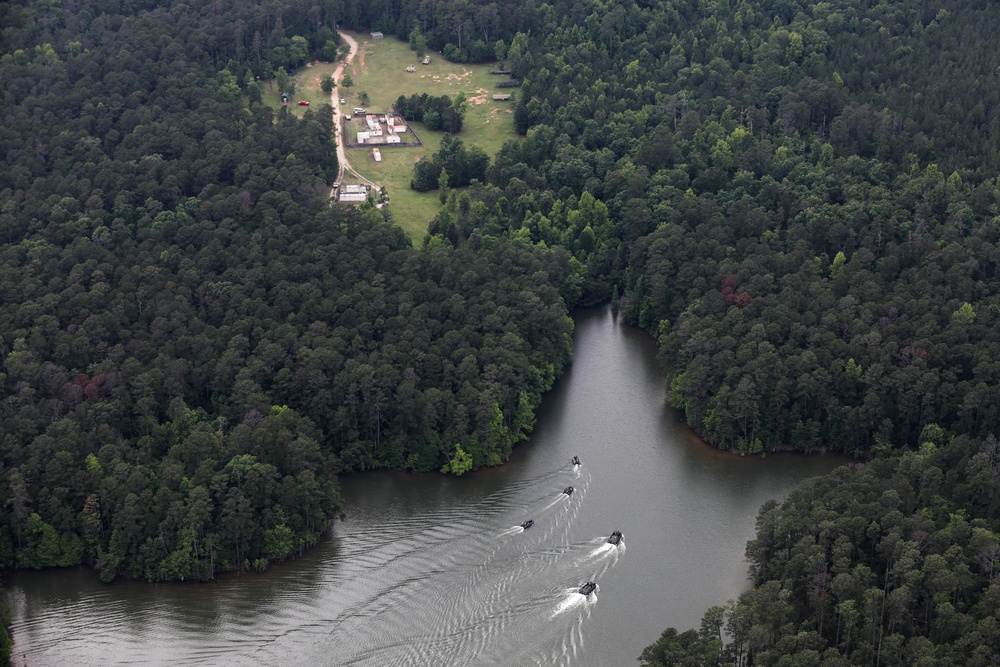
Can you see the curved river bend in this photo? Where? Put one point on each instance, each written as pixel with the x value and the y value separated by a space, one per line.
pixel 428 570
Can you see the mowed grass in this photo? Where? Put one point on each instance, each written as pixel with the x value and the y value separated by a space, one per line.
pixel 379 69
pixel 308 81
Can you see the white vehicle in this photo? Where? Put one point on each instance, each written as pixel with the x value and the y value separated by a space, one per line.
pixel 343 101
pixel 359 110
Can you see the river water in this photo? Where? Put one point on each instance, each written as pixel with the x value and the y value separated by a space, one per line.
pixel 429 570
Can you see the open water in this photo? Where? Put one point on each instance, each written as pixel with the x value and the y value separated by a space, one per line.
pixel 432 570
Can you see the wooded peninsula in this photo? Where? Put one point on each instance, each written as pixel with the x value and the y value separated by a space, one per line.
pixel 799 200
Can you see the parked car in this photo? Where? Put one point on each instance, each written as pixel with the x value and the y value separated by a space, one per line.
pixel 303 103
pixel 343 101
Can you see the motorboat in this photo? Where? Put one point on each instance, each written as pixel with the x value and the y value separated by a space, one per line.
pixel 587 588
pixel 616 537
pixel 568 490
pixel 528 524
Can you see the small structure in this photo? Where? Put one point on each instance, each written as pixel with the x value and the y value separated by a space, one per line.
pixel 426 60
pixel 377 35
pixel 284 98
pixel 377 154
pixel 393 139
pixel 352 193
pixel 502 97
pixel 363 137
pixel 411 68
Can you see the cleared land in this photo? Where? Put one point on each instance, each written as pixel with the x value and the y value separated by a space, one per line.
pixel 380 70
pixel 307 80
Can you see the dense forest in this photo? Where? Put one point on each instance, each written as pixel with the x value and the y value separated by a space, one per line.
pixel 810 234
pixel 194 342
pixel 889 563
pixel 798 199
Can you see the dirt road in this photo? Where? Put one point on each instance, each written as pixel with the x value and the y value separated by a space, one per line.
pixel 338 115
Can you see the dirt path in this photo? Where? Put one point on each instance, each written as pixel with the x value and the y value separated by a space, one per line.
pixel 338 116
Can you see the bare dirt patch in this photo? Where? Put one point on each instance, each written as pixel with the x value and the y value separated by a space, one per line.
pixel 359 66
pixel 477 100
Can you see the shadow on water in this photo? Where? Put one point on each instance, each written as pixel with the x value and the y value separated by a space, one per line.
pixel 427 569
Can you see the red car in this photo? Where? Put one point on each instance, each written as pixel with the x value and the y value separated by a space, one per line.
pixel 303 103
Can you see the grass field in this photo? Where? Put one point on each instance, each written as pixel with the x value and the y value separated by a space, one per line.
pixel 307 87
pixel 379 69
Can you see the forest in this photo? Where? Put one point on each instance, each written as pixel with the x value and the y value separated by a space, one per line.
pixel 195 343
pixel 798 200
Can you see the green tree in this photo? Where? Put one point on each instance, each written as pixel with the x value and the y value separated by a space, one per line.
pixel 443 186
pixel 281 76
pixel 459 464
pixel 417 41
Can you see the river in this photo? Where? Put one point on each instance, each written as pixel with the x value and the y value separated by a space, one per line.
pixel 429 570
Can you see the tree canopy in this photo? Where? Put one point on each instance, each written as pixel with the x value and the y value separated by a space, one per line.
pixel 194 342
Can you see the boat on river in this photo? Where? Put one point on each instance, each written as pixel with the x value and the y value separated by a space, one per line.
pixel 568 490
pixel 587 588
pixel 616 538
pixel 528 524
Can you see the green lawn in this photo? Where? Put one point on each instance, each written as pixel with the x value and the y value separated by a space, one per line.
pixel 307 87
pixel 379 69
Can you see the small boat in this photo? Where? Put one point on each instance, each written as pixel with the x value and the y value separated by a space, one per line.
pixel 528 524
pixel 616 537
pixel 587 588
pixel 576 460
pixel 568 490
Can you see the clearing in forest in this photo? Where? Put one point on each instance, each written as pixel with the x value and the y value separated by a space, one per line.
pixel 380 71
pixel 308 81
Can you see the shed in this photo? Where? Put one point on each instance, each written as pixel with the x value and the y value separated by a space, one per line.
pixel 363 137
pixel 392 139
pixel 377 154
pixel 354 196
pixel 501 97
pixel 377 35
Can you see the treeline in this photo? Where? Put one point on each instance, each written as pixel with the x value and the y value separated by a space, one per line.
pixel 194 343
pixel 473 31
pixel 437 113
pixel 262 38
pixel 461 166
pixel 890 563
pixel 818 273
